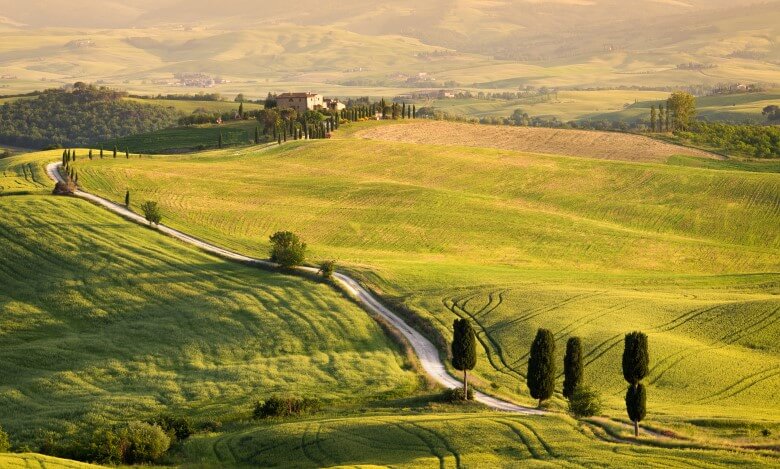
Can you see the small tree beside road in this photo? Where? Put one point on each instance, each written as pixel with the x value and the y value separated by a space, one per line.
pixel 151 212
pixel 464 350
pixel 287 249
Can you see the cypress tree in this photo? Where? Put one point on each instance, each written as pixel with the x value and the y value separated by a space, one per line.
pixel 90 154
pixel 541 366
pixel 127 153
pixel 636 359
pixel 114 151
pixel 636 364
pixel 101 151
pixel 403 111
pixel 464 350
pixel 127 198
pixel 668 127
pixel 572 367
pixel 219 141
pixel 73 155
pixel 636 405
pixel 661 117
pixel 414 111
pixel 241 110
pixel 653 118
pixel 257 135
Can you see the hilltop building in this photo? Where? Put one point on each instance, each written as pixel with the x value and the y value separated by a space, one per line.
pixel 301 102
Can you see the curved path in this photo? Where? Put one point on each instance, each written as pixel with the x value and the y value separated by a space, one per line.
pixel 425 350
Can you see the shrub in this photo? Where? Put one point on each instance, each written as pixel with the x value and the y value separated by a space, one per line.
pixel 179 428
pixel 151 212
pixel 5 444
pixel 286 406
pixel 585 402
pixel 65 188
pixel 287 249
pixel 210 425
pixel 326 269
pixel 456 395
pixel 144 442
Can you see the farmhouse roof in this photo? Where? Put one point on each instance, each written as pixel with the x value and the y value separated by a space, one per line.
pixel 297 95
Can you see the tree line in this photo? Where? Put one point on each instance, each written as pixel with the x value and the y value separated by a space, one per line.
pixel 78 117
pixel 542 370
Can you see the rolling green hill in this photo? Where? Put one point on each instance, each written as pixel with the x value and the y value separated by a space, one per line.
pixel 126 324
pixel 518 241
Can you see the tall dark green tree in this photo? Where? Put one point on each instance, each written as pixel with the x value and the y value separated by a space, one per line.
pixel 414 111
pixel 541 366
pixel 241 110
pixel 219 142
pixel 464 350
pixel 127 153
pixel 90 154
pixel 572 367
pixel 127 198
pixel 636 405
pixel 636 364
pixel 653 118
pixel 101 152
pixel 73 155
pixel 257 135
pixel 661 116
pixel 636 359
pixel 114 151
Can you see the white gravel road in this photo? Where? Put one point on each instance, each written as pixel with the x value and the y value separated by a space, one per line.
pixel 425 350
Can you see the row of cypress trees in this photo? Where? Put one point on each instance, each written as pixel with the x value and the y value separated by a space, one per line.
pixel 542 366
pixel 369 111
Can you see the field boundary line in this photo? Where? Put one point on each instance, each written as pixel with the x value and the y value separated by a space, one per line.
pixel 426 352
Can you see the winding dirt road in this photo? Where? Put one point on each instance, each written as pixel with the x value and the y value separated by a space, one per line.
pixel 425 350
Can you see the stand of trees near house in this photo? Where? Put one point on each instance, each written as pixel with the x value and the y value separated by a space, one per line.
pixel 78 117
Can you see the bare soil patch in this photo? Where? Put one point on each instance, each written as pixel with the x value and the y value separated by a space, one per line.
pixel 587 143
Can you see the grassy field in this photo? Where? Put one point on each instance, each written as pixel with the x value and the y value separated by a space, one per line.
pixel 29 460
pixel 127 323
pixel 188 107
pixel 443 440
pixel 196 137
pixel 603 145
pixel 518 241
pixel 742 107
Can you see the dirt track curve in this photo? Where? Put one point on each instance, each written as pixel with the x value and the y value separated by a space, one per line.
pixel 423 348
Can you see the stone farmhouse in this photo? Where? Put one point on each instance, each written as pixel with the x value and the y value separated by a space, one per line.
pixel 303 102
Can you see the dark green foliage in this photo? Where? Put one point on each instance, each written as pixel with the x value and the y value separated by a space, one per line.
pixel 219 142
pixel 758 141
pixel 326 269
pixel 287 249
pixel 241 110
pixel 572 367
pixel 179 428
pixel 127 153
pixel 682 106
pixel 114 151
pixel 127 199
pixel 585 402
pixel 151 212
pixel 653 118
pixel 79 117
pixel 5 443
pixel 771 112
pixel 286 407
pixel 636 358
pixel 636 404
pixel 541 366
pixel 257 135
pixel 90 154
pixel 135 443
pixel 101 152
pixel 457 395
pixel 464 349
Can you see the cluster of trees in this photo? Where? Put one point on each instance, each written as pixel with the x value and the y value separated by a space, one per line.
pixel 678 114
pixel 369 110
pixel 284 124
pixel 772 113
pixel 78 117
pixel 542 370
pixel 756 141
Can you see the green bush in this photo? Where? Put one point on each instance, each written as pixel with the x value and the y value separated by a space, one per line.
pixel 456 395
pixel 178 428
pixel 585 402
pixel 287 249
pixel 286 407
pixel 5 444
pixel 144 442
pixel 326 269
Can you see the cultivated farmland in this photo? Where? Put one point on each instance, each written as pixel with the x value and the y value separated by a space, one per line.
pixel 127 324
pixel 517 241
pixel 594 144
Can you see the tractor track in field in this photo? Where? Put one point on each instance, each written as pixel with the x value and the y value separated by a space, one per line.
pixel 426 353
